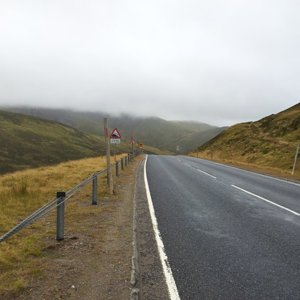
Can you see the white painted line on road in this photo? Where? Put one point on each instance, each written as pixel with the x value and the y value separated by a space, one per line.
pixel 264 199
pixel 173 292
pixel 252 172
pixel 206 174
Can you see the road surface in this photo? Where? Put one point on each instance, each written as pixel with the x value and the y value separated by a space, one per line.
pixel 228 233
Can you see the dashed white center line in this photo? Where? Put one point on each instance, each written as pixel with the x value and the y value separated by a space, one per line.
pixel 206 173
pixel 251 172
pixel 266 200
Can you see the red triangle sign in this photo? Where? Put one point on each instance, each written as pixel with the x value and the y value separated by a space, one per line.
pixel 115 134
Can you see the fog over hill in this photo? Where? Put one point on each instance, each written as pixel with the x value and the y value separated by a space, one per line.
pixel 221 62
pixel 174 136
pixel 28 142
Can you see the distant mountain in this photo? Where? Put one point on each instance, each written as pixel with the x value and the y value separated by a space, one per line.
pixel 31 142
pixel 28 142
pixel 180 137
pixel 269 142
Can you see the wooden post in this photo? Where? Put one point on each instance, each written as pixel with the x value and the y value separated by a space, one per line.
pixel 295 161
pixel 110 187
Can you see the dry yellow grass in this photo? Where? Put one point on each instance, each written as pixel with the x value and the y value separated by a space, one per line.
pixel 21 193
pixel 267 145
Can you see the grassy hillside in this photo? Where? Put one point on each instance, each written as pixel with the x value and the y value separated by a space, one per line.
pixel 28 142
pixel 31 142
pixel 269 143
pixel 155 132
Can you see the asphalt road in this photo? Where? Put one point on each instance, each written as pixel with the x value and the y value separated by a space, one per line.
pixel 228 233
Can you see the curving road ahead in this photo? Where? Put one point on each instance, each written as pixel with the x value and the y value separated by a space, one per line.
pixel 228 233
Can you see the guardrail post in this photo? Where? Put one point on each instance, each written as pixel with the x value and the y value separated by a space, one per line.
pixel 122 163
pixel 60 219
pixel 94 190
pixel 117 168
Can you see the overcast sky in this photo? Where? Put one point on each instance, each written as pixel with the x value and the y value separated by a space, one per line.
pixel 216 61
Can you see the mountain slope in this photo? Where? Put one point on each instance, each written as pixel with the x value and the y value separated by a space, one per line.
pixel 155 132
pixel 269 142
pixel 32 142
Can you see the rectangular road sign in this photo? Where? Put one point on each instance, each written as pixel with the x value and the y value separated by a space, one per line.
pixel 115 141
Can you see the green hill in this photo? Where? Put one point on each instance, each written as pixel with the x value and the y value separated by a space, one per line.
pixel 28 142
pixel 31 142
pixel 269 143
pixel 181 137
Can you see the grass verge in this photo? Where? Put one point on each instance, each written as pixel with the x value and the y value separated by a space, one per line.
pixel 21 193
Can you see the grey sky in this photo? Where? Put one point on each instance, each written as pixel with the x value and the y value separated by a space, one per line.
pixel 217 61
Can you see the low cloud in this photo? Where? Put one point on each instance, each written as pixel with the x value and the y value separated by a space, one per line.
pixel 220 62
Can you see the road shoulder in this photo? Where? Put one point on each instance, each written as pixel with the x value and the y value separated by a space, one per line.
pixel 150 280
pixel 94 259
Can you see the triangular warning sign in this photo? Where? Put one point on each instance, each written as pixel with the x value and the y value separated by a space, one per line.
pixel 115 134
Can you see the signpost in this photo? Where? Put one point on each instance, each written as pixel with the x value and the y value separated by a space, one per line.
pixel 132 143
pixel 115 137
pixel 108 167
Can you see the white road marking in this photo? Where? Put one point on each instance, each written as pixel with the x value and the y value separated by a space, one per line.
pixel 206 173
pixel 252 172
pixel 173 292
pixel 264 199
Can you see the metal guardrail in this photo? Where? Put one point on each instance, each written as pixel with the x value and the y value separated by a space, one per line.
pixel 58 202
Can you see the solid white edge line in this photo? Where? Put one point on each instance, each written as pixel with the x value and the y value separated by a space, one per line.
pixel 206 174
pixel 264 199
pixel 172 288
pixel 252 172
